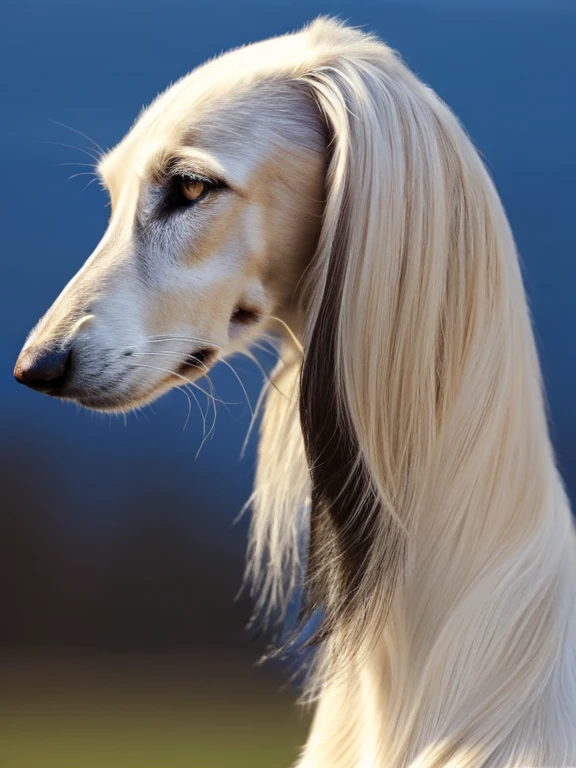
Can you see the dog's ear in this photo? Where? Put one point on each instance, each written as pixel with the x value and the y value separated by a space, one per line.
pixel 356 546
pixel 373 384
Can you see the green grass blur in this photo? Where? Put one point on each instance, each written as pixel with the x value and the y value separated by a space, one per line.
pixel 106 717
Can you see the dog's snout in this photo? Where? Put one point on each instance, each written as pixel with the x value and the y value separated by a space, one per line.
pixel 44 370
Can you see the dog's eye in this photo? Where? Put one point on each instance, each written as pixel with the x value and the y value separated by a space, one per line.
pixel 185 191
pixel 192 189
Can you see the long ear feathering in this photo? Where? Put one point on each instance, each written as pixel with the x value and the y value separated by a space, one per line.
pixel 280 499
pixel 404 303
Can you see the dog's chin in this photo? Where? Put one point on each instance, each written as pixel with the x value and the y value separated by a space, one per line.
pixel 111 404
pixel 107 402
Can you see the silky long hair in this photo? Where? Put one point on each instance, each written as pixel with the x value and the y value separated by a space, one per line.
pixel 406 478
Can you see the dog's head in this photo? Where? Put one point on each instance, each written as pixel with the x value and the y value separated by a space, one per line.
pixel 216 202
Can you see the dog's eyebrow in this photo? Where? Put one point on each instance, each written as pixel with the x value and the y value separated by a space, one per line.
pixel 192 162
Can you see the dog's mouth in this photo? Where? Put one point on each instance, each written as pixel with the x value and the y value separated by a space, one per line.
pixel 109 399
pixel 199 360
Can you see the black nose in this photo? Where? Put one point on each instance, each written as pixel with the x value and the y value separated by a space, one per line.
pixel 43 369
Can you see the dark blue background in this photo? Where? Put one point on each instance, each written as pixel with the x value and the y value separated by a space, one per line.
pixel 107 490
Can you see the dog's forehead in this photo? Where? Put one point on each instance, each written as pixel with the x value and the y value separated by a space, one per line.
pixel 224 140
pixel 231 107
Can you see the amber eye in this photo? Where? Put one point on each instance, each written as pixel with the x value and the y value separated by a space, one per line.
pixel 184 191
pixel 192 189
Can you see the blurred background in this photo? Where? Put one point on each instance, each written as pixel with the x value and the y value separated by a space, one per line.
pixel 121 641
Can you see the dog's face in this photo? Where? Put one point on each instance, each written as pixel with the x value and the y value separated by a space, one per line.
pixel 216 200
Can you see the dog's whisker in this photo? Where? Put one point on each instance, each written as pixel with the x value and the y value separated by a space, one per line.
pixel 185 391
pixel 260 367
pixel 194 340
pixel 211 397
pixel 172 353
pixel 72 146
pixel 228 365
pixel 181 388
pixel 215 400
pixel 163 370
pixel 212 426
pixel 259 404
pixel 188 389
pixel 177 355
pixel 211 400
pixel 184 388
pixel 202 365
pixel 81 173
pixel 153 339
pixel 95 144
pixel 86 165
pixel 289 331
pixel 88 185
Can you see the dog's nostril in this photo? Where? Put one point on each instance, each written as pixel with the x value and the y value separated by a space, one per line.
pixel 43 370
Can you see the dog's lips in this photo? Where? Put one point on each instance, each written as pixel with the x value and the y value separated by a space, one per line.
pixel 100 402
pixel 116 403
pixel 200 359
pixel 197 362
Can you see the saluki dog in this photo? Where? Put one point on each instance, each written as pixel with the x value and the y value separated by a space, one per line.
pixel 311 185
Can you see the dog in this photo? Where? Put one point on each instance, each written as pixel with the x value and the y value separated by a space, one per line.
pixel 406 484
